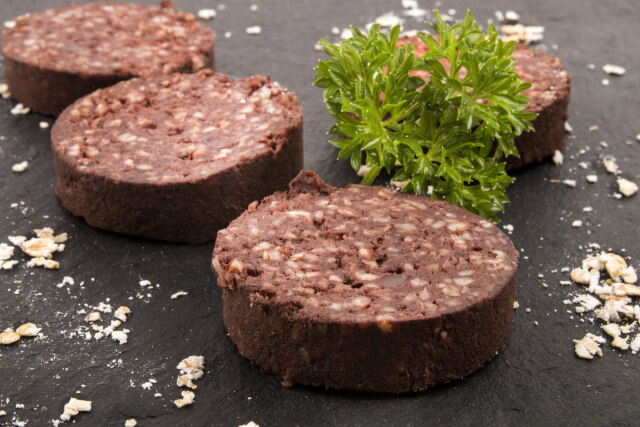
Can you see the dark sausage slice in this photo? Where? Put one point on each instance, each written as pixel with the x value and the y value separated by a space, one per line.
pixel 176 157
pixel 53 57
pixel 364 288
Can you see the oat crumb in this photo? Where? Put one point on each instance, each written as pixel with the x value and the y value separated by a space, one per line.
pixel 131 422
pixel 254 30
pixel 206 14
pixel 73 407
pixel 627 188
pixel 615 70
pixel 188 397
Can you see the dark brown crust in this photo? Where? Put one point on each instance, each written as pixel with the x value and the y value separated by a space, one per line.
pixel 49 90
pixel 320 344
pixel 548 136
pixel 187 212
pixel 412 357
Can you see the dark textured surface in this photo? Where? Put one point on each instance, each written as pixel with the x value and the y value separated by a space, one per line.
pixel 536 379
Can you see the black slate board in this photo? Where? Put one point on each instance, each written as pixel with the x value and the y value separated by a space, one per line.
pixel 536 379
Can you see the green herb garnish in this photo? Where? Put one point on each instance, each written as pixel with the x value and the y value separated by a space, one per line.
pixel 452 133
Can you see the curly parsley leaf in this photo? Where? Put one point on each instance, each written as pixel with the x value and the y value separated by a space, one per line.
pixel 448 136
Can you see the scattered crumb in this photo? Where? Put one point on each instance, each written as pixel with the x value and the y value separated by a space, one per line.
pixel 522 33
pixel 558 157
pixel 317 47
pixel 610 165
pixel 20 167
pixel 120 336
pixel 206 14
pixel 249 424
pixel 28 330
pixel 577 223
pixel 253 8
pixel 73 407
pixel 592 179
pixel 605 82
pixel 131 422
pixel 227 34
pixel 121 313
pixel 567 127
pixel 188 397
pixel 516 304
pixel 92 317
pixel 145 283
pixel 66 280
pixel 4 90
pixel 587 209
pixel 44 125
pixel 179 294
pixel 615 70
pixel 253 30
pixel 589 346
pixel 388 20
pixel 20 109
pixel 627 188
pixel 593 128
pixel 146 385
pixel 512 16
pixel 569 182
pixel 9 337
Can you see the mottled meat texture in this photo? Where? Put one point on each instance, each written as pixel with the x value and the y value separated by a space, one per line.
pixel 176 128
pixel 110 38
pixel 363 252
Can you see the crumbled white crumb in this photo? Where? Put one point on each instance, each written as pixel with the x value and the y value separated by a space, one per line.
pixel 188 397
pixel 131 422
pixel 522 33
pixel 120 336
pixel 44 125
pixel 592 179
pixel 605 82
pixel 627 188
pixel 335 30
pixel 6 251
pixel 389 20
pixel 249 424
pixel 20 167
pixel 43 262
pixel 577 223
pixel 635 344
pixel 610 165
pixel 192 367
pixel 206 14
pixel 569 182
pixel 615 70
pixel 145 283
pixel 253 30
pixel 568 127
pixel 10 24
pixel 589 346
pixel 104 308
pixel 604 144
pixel 317 47
pixel 4 91
pixel 587 209
pixel 179 294
pixel 146 385
pixel 587 302
pixel 516 304
pixel 415 12
pixel 363 170
pixel 512 16
pixel 28 330
pixel 66 280
pixel 20 109
pixel 613 330
pixel 508 228
pixel 157 395
pixel 3 413
pixel 346 33
pixel 593 128
pixel 409 4
pixel 227 34
pixel 558 157
pixel 185 381
pixel 121 313
pixel 73 407
pixel 253 8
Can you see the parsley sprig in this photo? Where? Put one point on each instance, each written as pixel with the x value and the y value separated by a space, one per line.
pixel 448 136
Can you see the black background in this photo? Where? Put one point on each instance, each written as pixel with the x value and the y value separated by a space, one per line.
pixel 536 379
